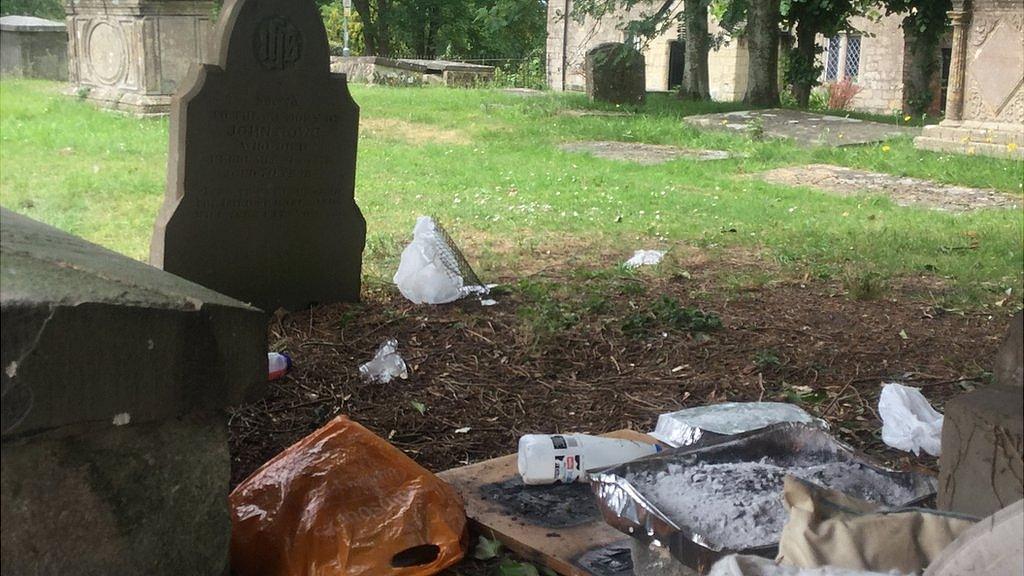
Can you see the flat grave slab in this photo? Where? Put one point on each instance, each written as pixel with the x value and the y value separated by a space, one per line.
pixel 572 540
pixel 585 113
pixel 642 153
pixel 804 128
pixel 904 191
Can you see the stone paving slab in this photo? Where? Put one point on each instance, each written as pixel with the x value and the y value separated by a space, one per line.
pixel 804 128
pixel 904 191
pixel 641 153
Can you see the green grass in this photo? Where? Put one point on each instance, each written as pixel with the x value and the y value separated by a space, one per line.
pixel 487 164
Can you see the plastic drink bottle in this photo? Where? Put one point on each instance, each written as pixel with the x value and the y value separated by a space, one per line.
pixel 277 365
pixel 550 458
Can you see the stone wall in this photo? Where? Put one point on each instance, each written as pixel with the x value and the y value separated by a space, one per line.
pixel 131 55
pixel 569 41
pixel 881 65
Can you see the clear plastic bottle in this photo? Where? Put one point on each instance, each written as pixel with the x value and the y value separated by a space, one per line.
pixel 550 458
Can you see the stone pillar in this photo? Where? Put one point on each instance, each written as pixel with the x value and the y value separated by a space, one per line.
pixel 132 54
pixel 955 90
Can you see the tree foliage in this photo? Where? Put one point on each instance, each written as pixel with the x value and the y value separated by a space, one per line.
pixel 447 28
pixel 49 9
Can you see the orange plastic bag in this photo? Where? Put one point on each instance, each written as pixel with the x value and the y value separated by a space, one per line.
pixel 342 501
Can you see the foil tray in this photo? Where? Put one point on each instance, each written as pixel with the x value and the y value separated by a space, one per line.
pixel 624 507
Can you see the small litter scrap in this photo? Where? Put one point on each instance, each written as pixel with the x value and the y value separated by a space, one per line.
pixel 386 365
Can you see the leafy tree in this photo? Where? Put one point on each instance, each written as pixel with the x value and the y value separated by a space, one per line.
pixel 808 19
pixel 49 9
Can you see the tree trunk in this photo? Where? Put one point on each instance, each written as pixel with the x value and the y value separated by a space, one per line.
pixel 369 28
pixel 695 64
pixel 806 52
pixel 762 34
pixel 922 65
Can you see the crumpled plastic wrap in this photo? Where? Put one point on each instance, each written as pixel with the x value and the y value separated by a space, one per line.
pixel 686 427
pixel 387 364
pixel 343 501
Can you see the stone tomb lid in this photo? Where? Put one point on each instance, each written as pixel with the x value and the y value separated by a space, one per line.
pixel 260 200
pixel 29 24
pixel 89 335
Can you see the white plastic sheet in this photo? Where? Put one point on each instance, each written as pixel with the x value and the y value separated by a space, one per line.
pixel 425 274
pixel 644 258
pixel 909 422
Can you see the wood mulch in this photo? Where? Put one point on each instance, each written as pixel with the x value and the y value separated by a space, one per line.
pixel 486 375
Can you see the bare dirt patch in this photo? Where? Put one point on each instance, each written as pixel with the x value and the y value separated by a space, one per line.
pixel 641 153
pixel 412 132
pixel 904 191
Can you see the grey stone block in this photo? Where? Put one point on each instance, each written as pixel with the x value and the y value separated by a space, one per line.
pixel 128 500
pixel 981 469
pixel 115 376
pixel 89 334
pixel 1009 368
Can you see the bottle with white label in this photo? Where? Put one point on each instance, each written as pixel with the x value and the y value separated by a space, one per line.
pixel 550 458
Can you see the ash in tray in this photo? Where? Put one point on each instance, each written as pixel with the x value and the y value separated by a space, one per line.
pixel 738 505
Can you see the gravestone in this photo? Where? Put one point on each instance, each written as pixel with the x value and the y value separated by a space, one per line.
pixel 33 48
pixel 261 171
pixel 615 74
pixel 115 378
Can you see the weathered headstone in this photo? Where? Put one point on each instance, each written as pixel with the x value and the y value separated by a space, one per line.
pixel 261 171
pixel 615 73
pixel 115 376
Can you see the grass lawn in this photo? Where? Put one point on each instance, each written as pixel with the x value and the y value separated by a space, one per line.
pixel 487 164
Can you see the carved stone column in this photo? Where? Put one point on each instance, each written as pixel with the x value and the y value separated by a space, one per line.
pixel 955 90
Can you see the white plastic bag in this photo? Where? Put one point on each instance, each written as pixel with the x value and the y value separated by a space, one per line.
pixel 909 422
pixel 387 364
pixel 427 273
pixel 644 258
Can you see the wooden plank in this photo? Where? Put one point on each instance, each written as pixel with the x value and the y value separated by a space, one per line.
pixel 557 548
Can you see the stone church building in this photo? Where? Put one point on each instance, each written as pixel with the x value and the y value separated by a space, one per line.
pixel 873 57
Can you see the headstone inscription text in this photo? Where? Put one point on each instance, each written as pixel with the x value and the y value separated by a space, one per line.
pixel 261 171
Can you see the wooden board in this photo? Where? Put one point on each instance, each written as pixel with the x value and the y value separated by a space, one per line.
pixel 557 548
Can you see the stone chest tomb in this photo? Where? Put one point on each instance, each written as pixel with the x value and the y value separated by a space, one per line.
pixel 261 171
